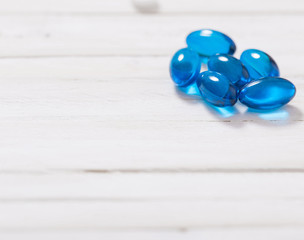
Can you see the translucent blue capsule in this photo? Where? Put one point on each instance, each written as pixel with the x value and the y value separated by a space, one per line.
pixel 208 42
pixel 184 67
pixel 267 93
pixel 216 89
pixel 259 64
pixel 231 67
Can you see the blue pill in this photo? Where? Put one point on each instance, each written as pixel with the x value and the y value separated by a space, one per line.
pixel 184 67
pixel 267 93
pixel 208 42
pixel 216 89
pixel 259 64
pixel 231 67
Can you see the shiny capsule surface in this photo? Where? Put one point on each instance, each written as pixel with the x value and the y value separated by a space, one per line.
pixel 231 67
pixel 207 42
pixel 259 64
pixel 184 67
pixel 267 93
pixel 216 89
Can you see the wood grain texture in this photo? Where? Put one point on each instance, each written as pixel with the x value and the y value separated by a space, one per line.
pixel 216 234
pixel 97 143
pixel 80 110
pixel 132 187
pixel 136 6
pixel 143 35
pixel 138 202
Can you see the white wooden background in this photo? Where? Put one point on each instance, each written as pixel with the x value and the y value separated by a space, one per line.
pixel 97 143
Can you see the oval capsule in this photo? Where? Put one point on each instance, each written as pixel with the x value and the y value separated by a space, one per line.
pixel 267 93
pixel 216 89
pixel 207 42
pixel 259 64
pixel 231 67
pixel 185 66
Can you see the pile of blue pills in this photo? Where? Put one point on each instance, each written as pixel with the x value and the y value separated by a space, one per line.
pixel 253 79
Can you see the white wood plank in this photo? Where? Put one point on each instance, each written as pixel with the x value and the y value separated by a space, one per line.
pixel 142 35
pixel 208 234
pixel 234 6
pixel 41 145
pixel 89 88
pixel 158 6
pixel 66 6
pixel 112 69
pixel 64 118
pixel 50 216
pixel 77 114
pixel 150 201
pixel 64 186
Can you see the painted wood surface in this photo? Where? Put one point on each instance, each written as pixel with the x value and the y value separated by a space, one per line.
pixel 92 201
pixel 97 143
pixel 150 6
pixel 143 35
pixel 80 110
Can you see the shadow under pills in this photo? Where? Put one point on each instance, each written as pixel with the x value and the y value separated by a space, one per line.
pixel 283 116
pixel 188 92
pixel 232 115
pixel 192 92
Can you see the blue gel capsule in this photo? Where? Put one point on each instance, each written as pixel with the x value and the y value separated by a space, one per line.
pixel 267 93
pixel 259 64
pixel 231 67
pixel 208 42
pixel 184 67
pixel 216 89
